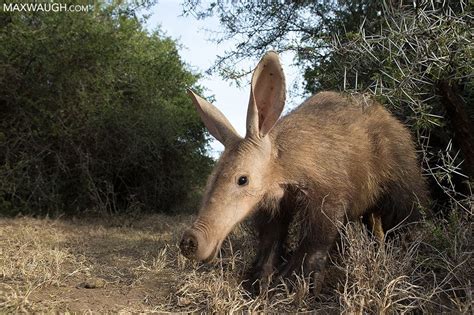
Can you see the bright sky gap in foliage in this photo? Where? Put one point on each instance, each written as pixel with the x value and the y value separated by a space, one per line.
pixel 199 52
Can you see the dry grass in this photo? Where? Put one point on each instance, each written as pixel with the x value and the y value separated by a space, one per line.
pixel 134 265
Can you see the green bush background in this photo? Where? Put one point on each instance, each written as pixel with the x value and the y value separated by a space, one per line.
pixel 94 116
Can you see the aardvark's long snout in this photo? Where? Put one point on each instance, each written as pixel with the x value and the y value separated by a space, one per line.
pixel 189 244
pixel 193 245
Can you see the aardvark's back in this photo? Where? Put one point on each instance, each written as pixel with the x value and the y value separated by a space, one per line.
pixel 351 148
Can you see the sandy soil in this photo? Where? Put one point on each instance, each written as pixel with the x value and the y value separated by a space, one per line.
pixel 93 265
pixel 132 264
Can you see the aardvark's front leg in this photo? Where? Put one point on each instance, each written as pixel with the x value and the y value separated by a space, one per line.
pixel 272 231
pixel 318 236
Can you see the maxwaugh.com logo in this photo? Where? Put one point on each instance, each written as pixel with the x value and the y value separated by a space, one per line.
pixel 45 6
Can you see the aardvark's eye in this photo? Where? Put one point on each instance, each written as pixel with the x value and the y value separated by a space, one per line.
pixel 243 180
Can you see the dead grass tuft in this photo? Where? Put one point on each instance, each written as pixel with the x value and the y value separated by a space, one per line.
pixel 43 263
pixel 29 259
pixel 377 276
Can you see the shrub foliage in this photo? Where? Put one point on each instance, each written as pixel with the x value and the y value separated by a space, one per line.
pixel 419 64
pixel 94 115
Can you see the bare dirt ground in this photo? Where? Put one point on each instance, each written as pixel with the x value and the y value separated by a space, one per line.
pixel 87 266
pixel 134 265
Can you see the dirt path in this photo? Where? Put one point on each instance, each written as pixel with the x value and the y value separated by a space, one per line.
pixel 133 265
pixel 57 265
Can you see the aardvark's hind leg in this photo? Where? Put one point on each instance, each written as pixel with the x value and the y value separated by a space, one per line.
pixel 375 221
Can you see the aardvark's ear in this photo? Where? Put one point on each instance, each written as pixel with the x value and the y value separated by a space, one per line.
pixel 214 120
pixel 267 96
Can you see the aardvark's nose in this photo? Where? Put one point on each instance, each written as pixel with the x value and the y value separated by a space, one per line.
pixel 189 244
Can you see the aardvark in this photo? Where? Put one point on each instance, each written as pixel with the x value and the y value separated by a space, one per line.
pixel 336 157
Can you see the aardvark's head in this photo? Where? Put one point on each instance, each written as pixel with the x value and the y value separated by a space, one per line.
pixel 243 174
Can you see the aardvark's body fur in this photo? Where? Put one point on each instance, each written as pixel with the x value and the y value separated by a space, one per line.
pixel 335 157
pixel 348 152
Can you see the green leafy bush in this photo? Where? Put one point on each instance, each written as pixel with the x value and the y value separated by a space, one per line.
pixel 94 116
